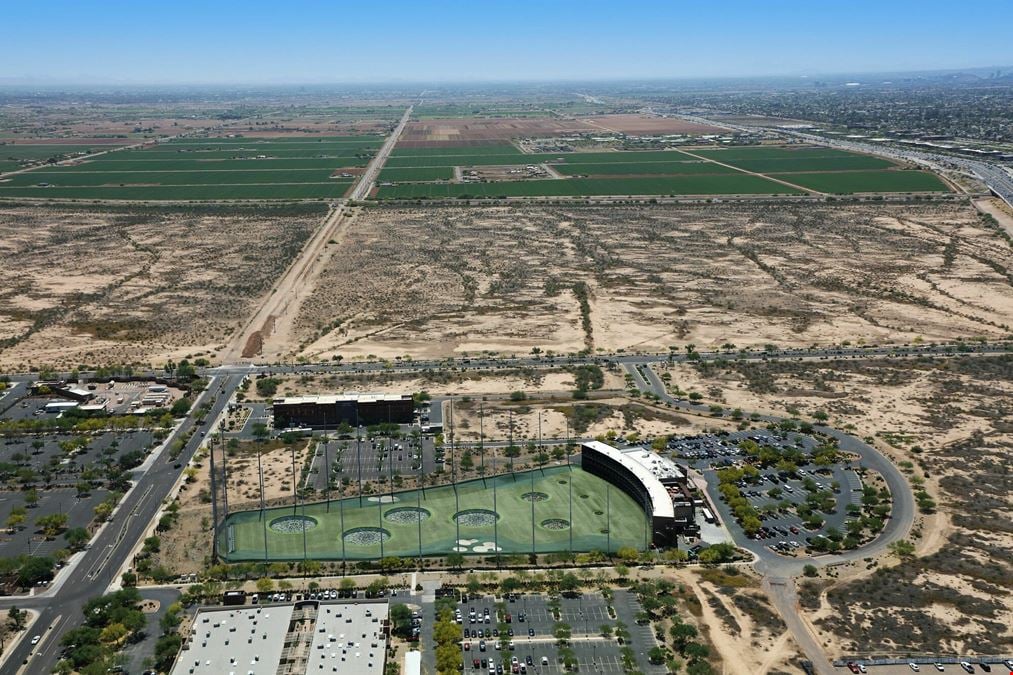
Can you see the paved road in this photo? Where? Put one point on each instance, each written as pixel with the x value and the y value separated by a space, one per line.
pixel 770 563
pixel 278 309
pixel 494 363
pixel 368 178
pixel 60 607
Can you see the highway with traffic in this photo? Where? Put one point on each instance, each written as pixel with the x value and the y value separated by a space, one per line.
pixel 998 178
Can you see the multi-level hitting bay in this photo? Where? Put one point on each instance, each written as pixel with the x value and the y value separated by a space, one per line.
pixel 463 518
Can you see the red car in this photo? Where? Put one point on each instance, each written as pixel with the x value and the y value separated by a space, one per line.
pixel 853 667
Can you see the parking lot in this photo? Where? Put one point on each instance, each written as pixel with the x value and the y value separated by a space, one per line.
pixel 783 530
pixel 533 624
pixel 115 398
pixel 59 473
pixel 28 539
pixel 58 459
pixel 379 459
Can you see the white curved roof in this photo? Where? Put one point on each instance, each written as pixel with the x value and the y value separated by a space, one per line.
pixel 661 502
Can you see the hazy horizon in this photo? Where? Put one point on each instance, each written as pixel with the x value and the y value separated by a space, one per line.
pixel 316 43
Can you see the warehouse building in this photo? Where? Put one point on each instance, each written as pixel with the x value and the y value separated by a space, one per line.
pixel 330 412
pixel 294 639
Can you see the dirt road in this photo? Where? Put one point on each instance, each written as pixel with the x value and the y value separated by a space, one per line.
pixel 781 592
pixel 266 333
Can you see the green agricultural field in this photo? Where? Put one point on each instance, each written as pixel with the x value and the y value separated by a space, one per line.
pixel 274 141
pixel 215 177
pixel 845 182
pixel 137 163
pixel 422 174
pixel 206 169
pixel 753 152
pixel 330 190
pixel 247 153
pixel 458 160
pixel 14 155
pixel 806 164
pixel 724 184
pixel 640 168
pixel 598 517
pixel 617 156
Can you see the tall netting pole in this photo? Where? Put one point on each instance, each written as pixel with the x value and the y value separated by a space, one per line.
pixel 214 499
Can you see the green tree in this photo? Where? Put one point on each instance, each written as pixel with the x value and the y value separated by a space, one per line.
pixel 53 524
pixel 16 618
pixel 401 620
pixel 77 538
pixel 902 549
pixel 681 634
pixel 35 569
pixel 180 408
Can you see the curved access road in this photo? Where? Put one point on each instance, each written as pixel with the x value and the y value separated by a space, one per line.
pixel 779 571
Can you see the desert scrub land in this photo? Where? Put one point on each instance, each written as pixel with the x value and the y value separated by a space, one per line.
pixel 126 285
pixel 439 382
pixel 446 281
pixel 946 422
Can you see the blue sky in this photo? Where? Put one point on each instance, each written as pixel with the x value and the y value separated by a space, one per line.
pixel 312 41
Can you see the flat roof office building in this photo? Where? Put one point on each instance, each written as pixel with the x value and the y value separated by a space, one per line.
pixel 330 412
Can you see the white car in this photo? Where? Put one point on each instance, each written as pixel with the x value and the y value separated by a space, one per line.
pixel 35 640
pixel 914 667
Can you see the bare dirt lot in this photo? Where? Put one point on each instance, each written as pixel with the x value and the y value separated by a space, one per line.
pixel 946 423
pixel 490 129
pixel 131 285
pixel 443 281
pixel 442 382
pixel 434 131
pixel 650 124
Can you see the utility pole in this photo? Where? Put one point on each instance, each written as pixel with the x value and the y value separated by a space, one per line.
pixel 295 484
pixel 225 474
pixel 418 515
pixel 260 469
pixel 569 485
pixel 327 474
pixel 495 521
pixel 481 437
pixel 214 500
pixel 341 508
pixel 453 478
pixel 358 451
pixel 567 445
pixel 510 448
pixel 608 520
